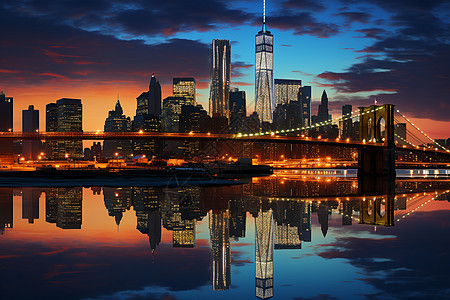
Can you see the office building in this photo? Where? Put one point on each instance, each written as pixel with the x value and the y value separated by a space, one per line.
pixel 6 124
pixel 31 149
pixel 286 90
pixel 304 97
pixel 185 87
pixel 147 118
pixel 191 118
pixel 220 78
pixel 264 98
pixel 238 103
pixel 322 114
pixel 6 112
pixel 150 102
pixel 64 116
pixel 117 122
pixel 170 116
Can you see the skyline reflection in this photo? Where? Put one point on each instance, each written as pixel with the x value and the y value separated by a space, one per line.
pixel 190 218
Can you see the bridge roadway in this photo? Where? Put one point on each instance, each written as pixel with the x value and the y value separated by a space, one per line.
pixel 268 138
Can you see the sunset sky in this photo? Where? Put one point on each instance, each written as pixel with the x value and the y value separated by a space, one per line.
pixel 395 51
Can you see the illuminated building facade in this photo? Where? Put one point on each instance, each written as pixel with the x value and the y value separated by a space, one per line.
pixel 64 116
pixel 264 98
pixel 305 99
pixel 220 78
pixel 287 90
pixel 170 116
pixel 264 254
pixel 185 87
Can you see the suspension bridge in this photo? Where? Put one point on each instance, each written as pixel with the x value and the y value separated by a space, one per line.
pixel 377 144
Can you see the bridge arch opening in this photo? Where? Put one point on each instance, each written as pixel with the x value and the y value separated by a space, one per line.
pixel 382 211
pixel 369 129
pixel 381 130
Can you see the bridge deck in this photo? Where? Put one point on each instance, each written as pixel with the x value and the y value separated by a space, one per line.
pixel 98 135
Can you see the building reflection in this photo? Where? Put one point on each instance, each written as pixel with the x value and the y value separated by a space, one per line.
pixel 219 228
pixel 283 216
pixel 6 209
pixel 30 203
pixel 63 207
pixel 264 234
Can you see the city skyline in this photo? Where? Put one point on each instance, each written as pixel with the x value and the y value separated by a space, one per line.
pixel 318 55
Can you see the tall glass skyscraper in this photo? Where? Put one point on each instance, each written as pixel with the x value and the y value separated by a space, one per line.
pixel 220 78
pixel 264 99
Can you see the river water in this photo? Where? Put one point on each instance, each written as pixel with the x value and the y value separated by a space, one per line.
pixel 285 236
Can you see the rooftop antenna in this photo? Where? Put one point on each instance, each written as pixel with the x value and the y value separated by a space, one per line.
pixel 264 11
pixel 264 15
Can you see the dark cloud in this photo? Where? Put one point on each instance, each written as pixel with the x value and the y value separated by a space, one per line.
pixel 44 52
pixel 98 269
pixel 373 33
pixel 409 62
pixel 414 265
pixel 302 23
pixel 355 16
pixel 239 68
pixel 135 17
pixel 309 5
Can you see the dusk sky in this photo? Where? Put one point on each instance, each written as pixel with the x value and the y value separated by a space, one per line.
pixel 395 51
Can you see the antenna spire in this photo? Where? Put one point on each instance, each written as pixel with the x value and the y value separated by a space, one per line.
pixel 264 12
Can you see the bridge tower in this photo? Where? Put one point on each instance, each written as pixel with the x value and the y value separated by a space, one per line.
pixel 377 211
pixel 376 125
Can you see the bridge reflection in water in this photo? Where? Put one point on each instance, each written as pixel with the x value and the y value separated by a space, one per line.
pixel 282 207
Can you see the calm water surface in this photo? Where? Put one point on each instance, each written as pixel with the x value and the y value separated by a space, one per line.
pixel 285 236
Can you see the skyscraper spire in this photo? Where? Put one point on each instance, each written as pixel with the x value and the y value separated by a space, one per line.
pixel 264 16
pixel 264 12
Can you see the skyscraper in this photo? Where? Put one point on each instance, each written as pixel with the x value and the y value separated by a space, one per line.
pixel 64 116
pixel 322 114
pixel 117 122
pixel 264 99
pixel 6 123
pixel 220 78
pixel 185 87
pixel 237 102
pixel 304 97
pixel 147 118
pixel 6 112
pixel 30 123
pixel 150 102
pixel 170 116
pixel 286 90
pixel 70 120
